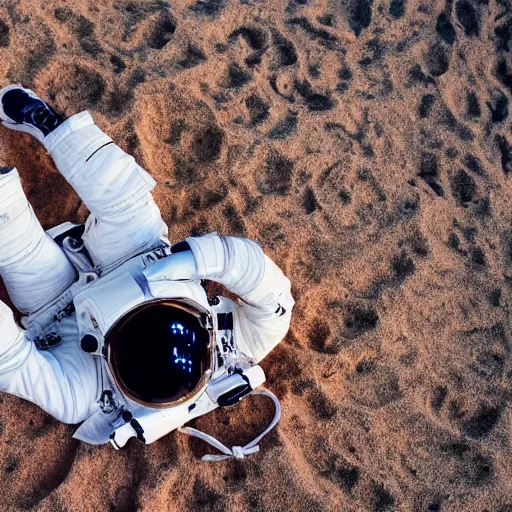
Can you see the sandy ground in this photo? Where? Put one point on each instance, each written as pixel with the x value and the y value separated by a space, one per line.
pixel 366 145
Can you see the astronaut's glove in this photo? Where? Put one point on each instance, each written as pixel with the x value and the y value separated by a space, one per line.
pixel 180 266
pixel 209 255
pixel 193 259
pixel 237 263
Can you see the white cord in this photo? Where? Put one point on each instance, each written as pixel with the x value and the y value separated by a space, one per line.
pixel 238 452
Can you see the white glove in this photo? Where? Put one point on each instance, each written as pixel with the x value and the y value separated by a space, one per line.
pixel 209 254
pixel 237 263
pixel 175 267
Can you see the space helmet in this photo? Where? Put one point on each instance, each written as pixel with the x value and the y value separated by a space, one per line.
pixel 161 353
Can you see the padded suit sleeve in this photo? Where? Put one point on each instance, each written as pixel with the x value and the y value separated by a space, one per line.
pixel 266 302
pixel 62 381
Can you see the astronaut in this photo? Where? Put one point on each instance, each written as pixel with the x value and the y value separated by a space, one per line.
pixel 118 332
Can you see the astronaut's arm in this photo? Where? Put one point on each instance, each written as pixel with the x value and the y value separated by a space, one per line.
pixel 61 381
pixel 13 345
pixel 265 295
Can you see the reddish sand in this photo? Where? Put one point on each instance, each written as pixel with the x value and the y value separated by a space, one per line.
pixel 366 146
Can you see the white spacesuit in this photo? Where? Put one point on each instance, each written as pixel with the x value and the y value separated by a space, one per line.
pixel 81 289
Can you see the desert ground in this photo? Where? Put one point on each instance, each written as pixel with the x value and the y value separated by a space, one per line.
pixel 366 145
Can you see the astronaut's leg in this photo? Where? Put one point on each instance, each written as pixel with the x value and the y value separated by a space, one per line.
pixel 124 217
pixel 32 266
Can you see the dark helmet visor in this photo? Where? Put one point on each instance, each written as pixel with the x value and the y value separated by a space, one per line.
pixel 159 352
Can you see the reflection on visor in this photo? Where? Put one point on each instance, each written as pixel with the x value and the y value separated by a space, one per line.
pixel 185 357
pixel 159 353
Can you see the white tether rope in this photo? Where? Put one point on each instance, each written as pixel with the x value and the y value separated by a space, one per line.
pixel 238 452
